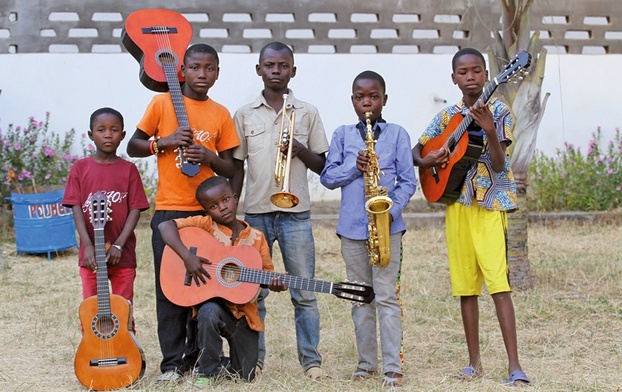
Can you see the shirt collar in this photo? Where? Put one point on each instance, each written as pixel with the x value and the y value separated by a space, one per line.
pixel 291 99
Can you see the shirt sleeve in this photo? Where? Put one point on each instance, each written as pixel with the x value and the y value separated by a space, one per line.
pixel 405 180
pixel 241 151
pixel 228 136
pixel 317 136
pixel 202 222
pixel 339 170
pixel 138 198
pixel 71 197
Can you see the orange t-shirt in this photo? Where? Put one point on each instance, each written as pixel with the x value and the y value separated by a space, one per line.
pixel 248 236
pixel 212 126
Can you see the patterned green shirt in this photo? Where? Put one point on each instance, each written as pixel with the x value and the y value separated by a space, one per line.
pixel 491 190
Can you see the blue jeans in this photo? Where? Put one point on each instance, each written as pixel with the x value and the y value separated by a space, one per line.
pixel 295 237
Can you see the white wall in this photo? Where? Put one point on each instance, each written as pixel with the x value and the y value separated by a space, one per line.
pixel 71 86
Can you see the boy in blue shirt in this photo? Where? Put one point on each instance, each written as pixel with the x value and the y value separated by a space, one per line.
pixel 346 164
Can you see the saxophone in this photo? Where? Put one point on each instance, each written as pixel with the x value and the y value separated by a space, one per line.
pixel 377 206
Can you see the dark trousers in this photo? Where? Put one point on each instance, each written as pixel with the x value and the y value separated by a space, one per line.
pixel 176 328
pixel 216 322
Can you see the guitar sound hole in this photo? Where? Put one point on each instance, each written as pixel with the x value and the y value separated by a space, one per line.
pixel 105 326
pixel 230 273
pixel 166 57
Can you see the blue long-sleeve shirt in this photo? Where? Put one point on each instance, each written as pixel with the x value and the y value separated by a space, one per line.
pixel 395 160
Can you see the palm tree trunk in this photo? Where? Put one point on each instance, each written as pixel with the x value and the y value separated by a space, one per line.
pixel 518 254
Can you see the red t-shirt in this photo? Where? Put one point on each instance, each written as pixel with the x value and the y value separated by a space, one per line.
pixel 121 182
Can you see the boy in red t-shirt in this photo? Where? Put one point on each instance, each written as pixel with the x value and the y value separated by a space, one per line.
pixel 120 181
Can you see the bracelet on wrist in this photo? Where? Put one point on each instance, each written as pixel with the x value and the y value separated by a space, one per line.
pixel 151 147
pixel 118 247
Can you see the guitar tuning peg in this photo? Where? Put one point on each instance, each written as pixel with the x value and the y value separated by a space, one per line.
pixel 108 218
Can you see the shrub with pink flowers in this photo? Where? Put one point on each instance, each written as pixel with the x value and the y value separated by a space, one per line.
pixel 35 159
pixel 574 181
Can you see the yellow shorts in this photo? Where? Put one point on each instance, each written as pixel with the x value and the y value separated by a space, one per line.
pixel 476 249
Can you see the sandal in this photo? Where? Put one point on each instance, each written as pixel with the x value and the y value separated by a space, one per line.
pixel 469 373
pixel 392 380
pixel 363 374
pixel 516 379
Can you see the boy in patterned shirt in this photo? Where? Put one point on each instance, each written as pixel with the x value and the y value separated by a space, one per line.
pixel 476 223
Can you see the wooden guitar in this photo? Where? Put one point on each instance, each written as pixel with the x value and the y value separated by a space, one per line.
pixel 108 356
pixel 236 274
pixel 158 39
pixel 464 143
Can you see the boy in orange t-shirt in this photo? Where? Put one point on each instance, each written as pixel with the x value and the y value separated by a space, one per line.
pixel 208 142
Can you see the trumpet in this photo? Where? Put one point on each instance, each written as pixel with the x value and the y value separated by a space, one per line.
pixel 284 198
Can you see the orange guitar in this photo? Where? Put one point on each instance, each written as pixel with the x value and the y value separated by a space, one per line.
pixel 236 274
pixel 444 184
pixel 154 36
pixel 158 39
pixel 108 356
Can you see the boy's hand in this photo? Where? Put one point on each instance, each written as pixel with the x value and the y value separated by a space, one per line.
pixel 435 158
pixel 194 266
pixel 362 161
pixel 199 154
pixel 89 257
pixel 276 284
pixel 296 148
pixel 182 137
pixel 483 117
pixel 113 255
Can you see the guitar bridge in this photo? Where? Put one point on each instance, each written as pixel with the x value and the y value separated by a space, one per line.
pixel 107 362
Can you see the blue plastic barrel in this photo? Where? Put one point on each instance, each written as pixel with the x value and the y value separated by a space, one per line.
pixel 42 224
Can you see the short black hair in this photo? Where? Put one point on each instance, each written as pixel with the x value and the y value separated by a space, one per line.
pixel 105 110
pixel 465 51
pixel 370 75
pixel 210 183
pixel 201 48
pixel 276 46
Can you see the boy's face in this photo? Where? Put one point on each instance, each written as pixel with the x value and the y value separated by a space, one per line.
pixel 368 96
pixel 276 68
pixel 107 133
pixel 201 72
pixel 220 203
pixel 470 75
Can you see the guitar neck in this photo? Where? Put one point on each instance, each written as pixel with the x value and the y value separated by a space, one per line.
pixel 103 292
pixel 251 275
pixel 466 122
pixel 178 100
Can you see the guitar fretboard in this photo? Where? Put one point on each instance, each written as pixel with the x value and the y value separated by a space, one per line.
pixel 293 282
pixel 467 120
pixel 103 291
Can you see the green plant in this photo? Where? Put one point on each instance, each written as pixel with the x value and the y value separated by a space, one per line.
pixel 572 180
pixel 34 158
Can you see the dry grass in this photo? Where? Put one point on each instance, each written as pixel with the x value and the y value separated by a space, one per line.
pixel 569 326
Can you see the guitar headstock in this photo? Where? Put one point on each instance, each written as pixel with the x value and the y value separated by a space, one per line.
pixel 353 291
pixel 516 66
pixel 100 212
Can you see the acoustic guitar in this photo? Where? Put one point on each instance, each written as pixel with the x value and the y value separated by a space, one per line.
pixel 463 141
pixel 158 40
pixel 108 356
pixel 236 274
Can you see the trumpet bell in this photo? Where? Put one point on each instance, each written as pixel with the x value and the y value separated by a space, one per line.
pixel 284 200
